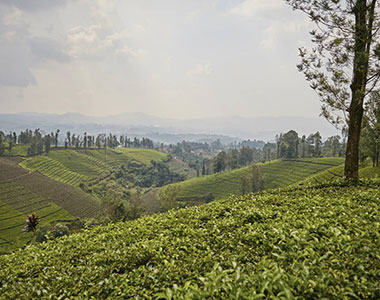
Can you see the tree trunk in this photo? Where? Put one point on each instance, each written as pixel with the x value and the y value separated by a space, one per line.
pixel 363 36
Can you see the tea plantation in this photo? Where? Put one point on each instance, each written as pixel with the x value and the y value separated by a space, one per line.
pixel 309 242
pixel 276 174
pixel 23 193
pixel 74 166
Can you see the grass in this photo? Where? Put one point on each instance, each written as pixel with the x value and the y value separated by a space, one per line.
pixel 17 150
pixel 310 242
pixel 276 174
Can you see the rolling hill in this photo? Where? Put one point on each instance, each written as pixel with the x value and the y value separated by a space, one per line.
pixel 48 185
pixel 75 166
pixel 276 174
pixel 309 242
pixel 23 192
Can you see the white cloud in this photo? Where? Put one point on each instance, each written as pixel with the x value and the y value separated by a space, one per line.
pixel 96 41
pixel 129 52
pixel 15 18
pixel 249 8
pixel 277 31
pixel 83 34
pixel 201 69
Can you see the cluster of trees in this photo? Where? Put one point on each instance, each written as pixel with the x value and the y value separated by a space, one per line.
pixel 105 141
pixel 40 143
pixel 233 159
pixel 35 139
pixel 132 175
pixel 290 145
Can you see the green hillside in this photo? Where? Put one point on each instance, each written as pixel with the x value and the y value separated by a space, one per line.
pixel 75 166
pixel 23 193
pixel 366 171
pixel 17 150
pixel 144 156
pixel 309 242
pixel 276 174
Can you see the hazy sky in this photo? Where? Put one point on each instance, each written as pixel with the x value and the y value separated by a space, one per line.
pixel 170 58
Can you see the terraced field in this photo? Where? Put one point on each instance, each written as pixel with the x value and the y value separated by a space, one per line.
pixel 276 174
pixel 23 192
pixel 144 156
pixel 75 166
pixel 366 171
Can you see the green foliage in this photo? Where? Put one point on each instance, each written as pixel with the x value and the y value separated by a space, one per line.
pixel 135 207
pixel 168 196
pixel 312 242
pixel 112 208
pixel 252 181
pixel 51 232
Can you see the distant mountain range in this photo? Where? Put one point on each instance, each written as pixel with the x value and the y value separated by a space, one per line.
pixel 227 129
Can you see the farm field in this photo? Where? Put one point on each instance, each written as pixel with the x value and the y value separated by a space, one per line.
pixel 366 171
pixel 302 242
pixel 23 193
pixel 276 174
pixel 75 166
pixel 144 156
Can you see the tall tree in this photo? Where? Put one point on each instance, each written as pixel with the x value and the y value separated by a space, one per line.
pixel 2 147
pixel 68 137
pixel 220 162
pixel 344 66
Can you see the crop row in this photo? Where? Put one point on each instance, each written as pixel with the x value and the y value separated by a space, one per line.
pixel 9 170
pixel 279 173
pixel 35 193
pixel 53 169
pixel 144 156
pixel 309 242
pixel 12 220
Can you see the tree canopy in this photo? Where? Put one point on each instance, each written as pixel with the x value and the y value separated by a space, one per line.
pixel 344 65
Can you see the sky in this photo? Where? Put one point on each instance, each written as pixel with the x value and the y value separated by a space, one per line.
pixel 168 58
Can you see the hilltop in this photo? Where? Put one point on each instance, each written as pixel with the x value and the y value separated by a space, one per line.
pixel 310 242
